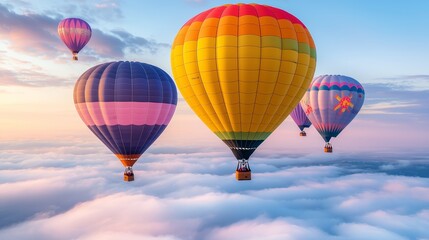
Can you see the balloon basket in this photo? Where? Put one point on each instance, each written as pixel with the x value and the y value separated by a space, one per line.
pixel 75 58
pixel 243 175
pixel 328 148
pixel 128 174
pixel 128 178
pixel 243 171
pixel 303 134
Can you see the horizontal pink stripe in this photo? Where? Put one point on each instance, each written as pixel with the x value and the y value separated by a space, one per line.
pixel 125 113
pixel 330 84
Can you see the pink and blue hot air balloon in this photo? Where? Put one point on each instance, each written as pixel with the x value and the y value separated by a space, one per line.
pixel 331 103
pixel 127 105
pixel 75 33
pixel 298 115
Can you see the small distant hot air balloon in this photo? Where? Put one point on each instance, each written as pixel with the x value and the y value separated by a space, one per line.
pixel 127 105
pixel 298 115
pixel 75 33
pixel 242 68
pixel 331 103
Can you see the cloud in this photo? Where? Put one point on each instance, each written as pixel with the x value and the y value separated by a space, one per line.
pixel 396 165
pixel 384 99
pixel 106 45
pixel 355 231
pixel 36 34
pixel 107 4
pixel 137 44
pixel 26 73
pixel 386 107
pixel 9 78
pixel 17 3
pixel 407 77
pixel 73 189
pixel 42 201
pixel 31 78
pixel 31 37
pixel 416 82
pixel 118 43
pixel 398 222
pixel 95 11
pixel 269 229
pixel 31 33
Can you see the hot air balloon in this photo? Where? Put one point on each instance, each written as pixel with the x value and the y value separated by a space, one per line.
pixel 331 103
pixel 75 33
pixel 242 68
pixel 298 115
pixel 127 105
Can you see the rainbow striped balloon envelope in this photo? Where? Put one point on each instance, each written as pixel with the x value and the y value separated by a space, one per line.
pixel 127 105
pixel 331 103
pixel 75 33
pixel 242 68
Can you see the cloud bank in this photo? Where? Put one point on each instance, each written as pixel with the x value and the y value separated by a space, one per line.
pixel 73 190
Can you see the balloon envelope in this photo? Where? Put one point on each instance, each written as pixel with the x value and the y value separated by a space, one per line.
pixel 331 103
pixel 300 118
pixel 75 33
pixel 127 105
pixel 242 68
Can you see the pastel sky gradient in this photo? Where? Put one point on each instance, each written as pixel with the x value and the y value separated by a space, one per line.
pixel 62 179
pixel 383 48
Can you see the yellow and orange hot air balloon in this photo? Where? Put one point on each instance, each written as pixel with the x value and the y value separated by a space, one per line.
pixel 243 68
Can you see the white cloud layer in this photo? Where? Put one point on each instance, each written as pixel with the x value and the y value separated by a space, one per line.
pixel 63 190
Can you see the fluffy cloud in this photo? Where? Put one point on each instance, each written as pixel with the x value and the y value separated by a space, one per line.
pixel 16 29
pixel 135 44
pixel 269 229
pixel 119 42
pixel 30 39
pixel 30 33
pixel 73 190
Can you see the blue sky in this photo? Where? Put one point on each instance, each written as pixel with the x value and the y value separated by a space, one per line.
pixel 57 179
pixel 366 39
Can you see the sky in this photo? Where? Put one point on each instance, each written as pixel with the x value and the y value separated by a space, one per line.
pixel 58 181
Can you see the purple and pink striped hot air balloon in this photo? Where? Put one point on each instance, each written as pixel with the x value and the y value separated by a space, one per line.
pixel 75 33
pixel 127 105
pixel 331 103
pixel 298 115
